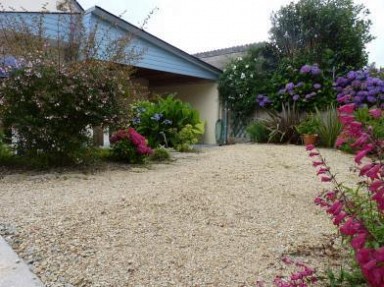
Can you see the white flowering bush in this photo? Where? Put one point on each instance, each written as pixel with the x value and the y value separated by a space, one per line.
pixel 245 82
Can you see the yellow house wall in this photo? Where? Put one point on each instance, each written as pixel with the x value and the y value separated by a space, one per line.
pixel 204 97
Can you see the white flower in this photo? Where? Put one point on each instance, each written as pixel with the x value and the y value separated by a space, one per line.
pixel 247 66
pixel 234 67
pixel 252 76
pixel 239 58
pixel 242 76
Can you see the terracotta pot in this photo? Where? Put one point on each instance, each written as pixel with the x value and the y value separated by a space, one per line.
pixel 310 139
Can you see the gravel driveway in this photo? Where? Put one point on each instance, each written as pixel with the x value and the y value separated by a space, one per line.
pixel 222 217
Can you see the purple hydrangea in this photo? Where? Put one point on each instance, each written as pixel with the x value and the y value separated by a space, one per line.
pixel 305 69
pixel 315 70
pixel 317 86
pixel 360 88
pixel 295 97
pixel 289 86
pixel 263 100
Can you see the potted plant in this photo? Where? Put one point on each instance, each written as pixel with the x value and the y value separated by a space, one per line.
pixel 308 129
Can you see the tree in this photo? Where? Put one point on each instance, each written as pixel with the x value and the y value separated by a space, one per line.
pixel 331 33
pixel 66 80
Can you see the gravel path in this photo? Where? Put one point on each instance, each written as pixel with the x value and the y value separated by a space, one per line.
pixel 222 217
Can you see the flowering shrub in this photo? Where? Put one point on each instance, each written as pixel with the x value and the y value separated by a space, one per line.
pixel 245 83
pixel 129 146
pixel 358 214
pixel 360 88
pixel 52 106
pixel 308 88
pixel 161 121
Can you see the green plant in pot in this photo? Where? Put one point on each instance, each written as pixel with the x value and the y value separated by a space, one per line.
pixel 308 129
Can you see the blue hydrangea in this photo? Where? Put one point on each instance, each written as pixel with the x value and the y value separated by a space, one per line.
pixel 157 117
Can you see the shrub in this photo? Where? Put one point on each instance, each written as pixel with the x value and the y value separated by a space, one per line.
pixel 188 136
pixel 161 121
pixel 160 154
pixel 308 126
pixel 52 106
pixel 5 151
pixel 306 88
pixel 358 212
pixel 129 146
pixel 329 126
pixel 258 132
pixel 282 126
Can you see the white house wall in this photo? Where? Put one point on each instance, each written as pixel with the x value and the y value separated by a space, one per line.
pixel 202 96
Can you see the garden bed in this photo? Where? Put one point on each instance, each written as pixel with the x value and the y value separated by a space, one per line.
pixel 222 217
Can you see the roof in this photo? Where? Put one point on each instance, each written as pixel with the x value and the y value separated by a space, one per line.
pixel 153 40
pixel 51 6
pixel 224 51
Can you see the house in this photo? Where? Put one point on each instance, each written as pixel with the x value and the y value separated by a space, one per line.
pixel 161 68
pixel 221 57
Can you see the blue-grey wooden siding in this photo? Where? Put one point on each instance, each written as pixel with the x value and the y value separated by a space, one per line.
pixel 153 53
pixel 55 25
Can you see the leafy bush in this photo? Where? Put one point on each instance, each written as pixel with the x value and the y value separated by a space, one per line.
pixel 129 146
pixel 160 154
pixel 245 81
pixel 258 132
pixel 161 121
pixel 188 136
pixel 308 126
pixel 5 151
pixel 51 107
pixel 282 126
pixel 306 88
pixel 329 126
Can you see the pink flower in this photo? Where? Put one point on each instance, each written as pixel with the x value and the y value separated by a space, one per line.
pixel 313 154
pixel 339 218
pixel 340 141
pixel 322 170
pixel 376 113
pixel 309 147
pixel 325 179
pixel 346 119
pixel 359 240
pixel 351 227
pixel 377 185
pixel 347 109
pixel 374 171
pixel 360 155
pixel 317 163
pixel 335 208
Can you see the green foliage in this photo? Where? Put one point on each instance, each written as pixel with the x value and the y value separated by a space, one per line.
pixel 332 33
pixel 258 132
pixel 162 120
pixel 345 278
pixel 307 87
pixel 308 126
pixel 329 126
pixel 282 126
pixel 188 136
pixel 160 154
pixel 51 107
pixel 5 152
pixel 363 115
pixel 245 78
